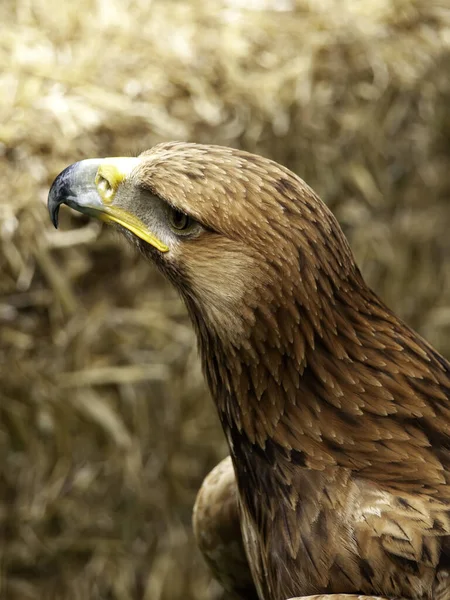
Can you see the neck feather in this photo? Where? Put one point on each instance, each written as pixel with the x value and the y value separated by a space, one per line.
pixel 334 379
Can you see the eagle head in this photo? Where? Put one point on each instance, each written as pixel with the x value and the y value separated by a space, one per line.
pixel 236 233
pixel 306 364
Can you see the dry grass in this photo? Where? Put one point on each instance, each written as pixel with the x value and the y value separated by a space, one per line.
pixel 106 428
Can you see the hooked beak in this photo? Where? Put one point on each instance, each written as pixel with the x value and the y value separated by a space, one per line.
pixel 89 186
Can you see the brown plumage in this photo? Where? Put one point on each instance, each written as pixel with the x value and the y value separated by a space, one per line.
pixel 336 413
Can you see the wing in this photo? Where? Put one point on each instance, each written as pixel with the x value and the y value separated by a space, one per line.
pixel 403 542
pixel 217 530
pixel 338 534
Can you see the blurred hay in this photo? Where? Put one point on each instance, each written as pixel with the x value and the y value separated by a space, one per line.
pixel 106 427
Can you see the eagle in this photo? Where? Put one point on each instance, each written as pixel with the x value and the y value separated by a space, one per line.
pixel 336 413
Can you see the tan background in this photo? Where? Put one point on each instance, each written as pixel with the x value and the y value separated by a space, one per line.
pixel 106 428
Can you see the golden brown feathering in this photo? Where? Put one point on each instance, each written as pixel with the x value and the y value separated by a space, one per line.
pixel 308 326
pixel 337 414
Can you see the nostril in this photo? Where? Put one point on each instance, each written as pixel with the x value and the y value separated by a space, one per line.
pixel 104 184
pixel 105 189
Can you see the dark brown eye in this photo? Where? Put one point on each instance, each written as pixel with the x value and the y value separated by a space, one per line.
pixel 179 221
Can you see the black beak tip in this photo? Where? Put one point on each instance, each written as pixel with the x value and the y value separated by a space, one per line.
pixel 53 203
pixel 58 193
pixel 54 218
pixel 75 187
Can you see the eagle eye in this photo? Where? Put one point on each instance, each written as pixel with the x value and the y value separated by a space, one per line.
pixel 179 221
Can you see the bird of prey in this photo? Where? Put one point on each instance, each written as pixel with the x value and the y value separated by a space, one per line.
pixel 336 413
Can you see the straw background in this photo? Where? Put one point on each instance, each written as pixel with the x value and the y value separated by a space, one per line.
pixel 106 427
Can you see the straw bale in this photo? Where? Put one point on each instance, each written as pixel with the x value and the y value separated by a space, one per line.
pixel 106 428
